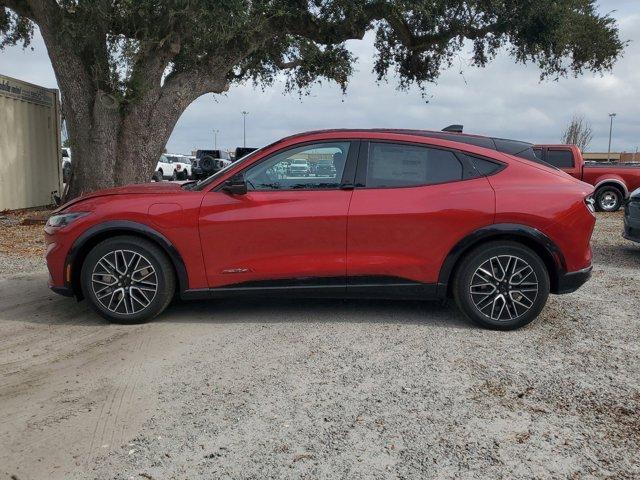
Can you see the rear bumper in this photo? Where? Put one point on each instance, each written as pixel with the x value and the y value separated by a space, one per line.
pixel 571 281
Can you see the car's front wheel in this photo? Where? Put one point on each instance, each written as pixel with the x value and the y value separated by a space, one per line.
pixel 501 285
pixel 127 279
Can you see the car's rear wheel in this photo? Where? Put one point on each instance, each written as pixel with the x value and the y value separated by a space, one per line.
pixel 127 279
pixel 608 199
pixel 501 285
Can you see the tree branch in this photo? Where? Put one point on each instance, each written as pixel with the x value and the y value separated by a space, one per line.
pixel 21 7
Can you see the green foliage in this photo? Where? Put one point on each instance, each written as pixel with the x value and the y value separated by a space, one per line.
pixel 128 46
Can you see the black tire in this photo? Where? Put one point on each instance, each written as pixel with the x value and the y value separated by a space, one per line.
pixel 157 176
pixel 522 304
pixel 163 276
pixel 208 165
pixel 174 177
pixel 608 199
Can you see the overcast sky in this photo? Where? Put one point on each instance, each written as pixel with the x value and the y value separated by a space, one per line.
pixel 503 99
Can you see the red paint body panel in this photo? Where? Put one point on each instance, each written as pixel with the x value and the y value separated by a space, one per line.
pixel 174 214
pixel 274 235
pixel 400 232
pixel 408 232
pixel 524 197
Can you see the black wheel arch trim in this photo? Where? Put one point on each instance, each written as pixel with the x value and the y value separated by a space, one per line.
pixel 123 227
pixel 554 260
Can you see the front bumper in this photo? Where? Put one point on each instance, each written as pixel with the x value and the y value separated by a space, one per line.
pixel 632 221
pixel 569 282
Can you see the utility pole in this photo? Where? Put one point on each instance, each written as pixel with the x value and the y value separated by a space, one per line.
pixel 215 139
pixel 611 116
pixel 244 127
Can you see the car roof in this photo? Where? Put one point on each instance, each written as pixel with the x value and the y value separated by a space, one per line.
pixel 504 145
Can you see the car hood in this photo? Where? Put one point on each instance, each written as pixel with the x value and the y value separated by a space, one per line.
pixel 135 189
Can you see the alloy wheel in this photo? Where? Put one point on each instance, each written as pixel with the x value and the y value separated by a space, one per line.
pixel 124 282
pixel 504 287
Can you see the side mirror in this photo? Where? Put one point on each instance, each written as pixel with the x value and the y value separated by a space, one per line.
pixel 235 185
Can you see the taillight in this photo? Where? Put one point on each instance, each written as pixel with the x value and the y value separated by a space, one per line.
pixel 590 203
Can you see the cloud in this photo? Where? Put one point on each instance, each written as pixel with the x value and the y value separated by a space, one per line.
pixel 503 99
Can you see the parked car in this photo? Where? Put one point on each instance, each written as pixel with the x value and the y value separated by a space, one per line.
pixel 242 151
pixel 428 218
pixel 208 162
pixel 298 168
pixel 65 153
pixel 632 217
pixel 172 167
pixel 325 168
pixel 612 180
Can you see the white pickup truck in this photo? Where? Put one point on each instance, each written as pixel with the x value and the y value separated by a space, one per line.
pixel 172 167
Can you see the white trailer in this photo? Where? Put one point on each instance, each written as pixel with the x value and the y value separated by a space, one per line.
pixel 30 167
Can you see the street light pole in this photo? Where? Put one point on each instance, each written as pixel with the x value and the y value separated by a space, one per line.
pixel 244 128
pixel 215 139
pixel 611 115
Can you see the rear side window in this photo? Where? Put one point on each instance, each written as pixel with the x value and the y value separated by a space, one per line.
pixel 560 158
pixel 398 165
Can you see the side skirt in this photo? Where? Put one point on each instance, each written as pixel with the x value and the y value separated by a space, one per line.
pixel 386 288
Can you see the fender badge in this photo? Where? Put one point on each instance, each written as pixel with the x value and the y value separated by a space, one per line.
pixel 236 270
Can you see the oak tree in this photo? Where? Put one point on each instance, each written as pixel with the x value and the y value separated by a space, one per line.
pixel 127 69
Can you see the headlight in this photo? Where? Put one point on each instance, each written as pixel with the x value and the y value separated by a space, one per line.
pixel 591 203
pixel 64 219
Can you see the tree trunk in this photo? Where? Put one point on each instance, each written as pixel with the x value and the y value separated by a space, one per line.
pixel 117 147
pixel 117 142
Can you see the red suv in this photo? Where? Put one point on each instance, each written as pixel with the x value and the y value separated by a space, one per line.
pixel 402 215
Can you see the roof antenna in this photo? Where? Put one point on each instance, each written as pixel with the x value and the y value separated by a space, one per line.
pixel 453 128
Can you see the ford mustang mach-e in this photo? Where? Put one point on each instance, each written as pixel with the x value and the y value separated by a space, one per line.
pixel 402 214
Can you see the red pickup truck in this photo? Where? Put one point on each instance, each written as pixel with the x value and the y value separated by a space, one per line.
pixel 614 181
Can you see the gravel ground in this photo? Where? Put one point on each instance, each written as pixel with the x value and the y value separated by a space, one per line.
pixel 325 389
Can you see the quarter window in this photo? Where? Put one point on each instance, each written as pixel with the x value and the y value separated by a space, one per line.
pixel 317 166
pixel 398 165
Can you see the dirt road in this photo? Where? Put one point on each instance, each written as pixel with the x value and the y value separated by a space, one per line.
pixel 324 389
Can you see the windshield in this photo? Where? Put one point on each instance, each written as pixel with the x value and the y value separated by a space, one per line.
pixel 206 181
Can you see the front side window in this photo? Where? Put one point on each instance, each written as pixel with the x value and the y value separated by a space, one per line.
pixel 297 168
pixel 398 165
pixel 560 158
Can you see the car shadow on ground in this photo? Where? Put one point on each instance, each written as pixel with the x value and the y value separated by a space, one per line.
pixel 26 298
pixel 266 310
